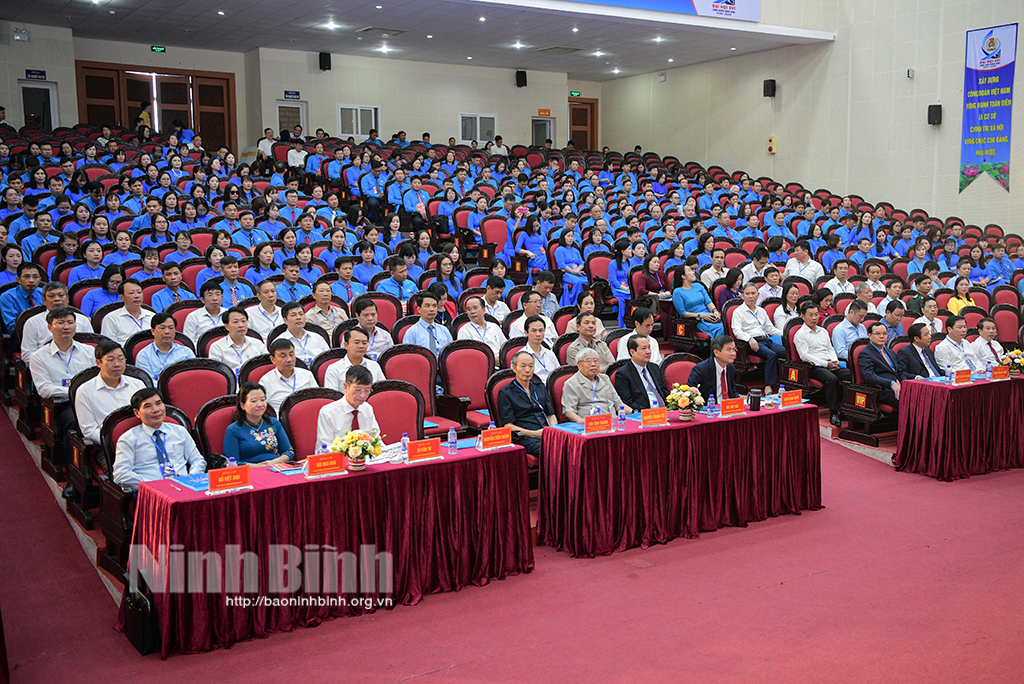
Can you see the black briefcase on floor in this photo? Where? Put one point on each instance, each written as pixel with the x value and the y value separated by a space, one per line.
pixel 140 624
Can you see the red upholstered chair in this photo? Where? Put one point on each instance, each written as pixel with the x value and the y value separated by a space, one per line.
pixel 613 338
pixel 746 360
pixel 150 287
pixel 401 327
pixel 255 368
pixel 840 302
pixel 309 327
pixel 299 414
pixel 562 317
pixel 465 366
pixel 795 372
pixel 212 423
pixel 509 349
pixel 190 268
pixel 389 307
pixel 323 361
pixel 77 292
pixel 981 297
pixel 506 324
pixel 973 315
pixel 469 292
pixel 942 297
pixel 802 284
pixel 418 366
pixel 614 368
pixel 515 294
pixel 1006 294
pixel 399 408
pixel 867 415
pixel 142 339
pixel 179 311
pixel 676 368
pixel 561 347
pixel 495 383
pixel 1008 322
pixel 555 384
pixel 189 384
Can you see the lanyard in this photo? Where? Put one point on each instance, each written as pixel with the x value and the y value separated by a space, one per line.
pixel 273 321
pixel 295 379
pixel 537 357
pixel 529 394
pixel 166 357
pixel 758 321
pixel 480 334
pixel 962 351
pixel 134 320
pixel 67 364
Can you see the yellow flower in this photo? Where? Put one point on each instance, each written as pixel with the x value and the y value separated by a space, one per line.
pixel 376 452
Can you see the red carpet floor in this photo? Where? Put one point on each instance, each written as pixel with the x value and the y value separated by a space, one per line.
pixel 899 579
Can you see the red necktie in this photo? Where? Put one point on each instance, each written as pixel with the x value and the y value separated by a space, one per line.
pixel 234 297
pixel 176 297
pixel 32 299
pixel 348 289
pixel 355 419
pixel 725 387
pixel 993 350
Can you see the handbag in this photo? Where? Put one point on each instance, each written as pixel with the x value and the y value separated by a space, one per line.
pixel 140 623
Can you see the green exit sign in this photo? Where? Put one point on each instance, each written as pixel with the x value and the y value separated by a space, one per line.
pixel 158 48
pixel 574 93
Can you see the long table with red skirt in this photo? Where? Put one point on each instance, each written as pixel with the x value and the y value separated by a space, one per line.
pixel 615 491
pixel 954 431
pixel 448 524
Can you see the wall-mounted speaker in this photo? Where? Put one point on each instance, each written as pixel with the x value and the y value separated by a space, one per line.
pixel 520 79
pixel 769 87
pixel 934 115
pixel 325 61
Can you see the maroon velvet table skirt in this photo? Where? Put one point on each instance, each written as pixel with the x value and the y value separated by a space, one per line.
pixel 448 524
pixel 616 491
pixel 951 432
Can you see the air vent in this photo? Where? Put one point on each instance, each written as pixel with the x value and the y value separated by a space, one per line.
pixel 557 50
pixel 381 32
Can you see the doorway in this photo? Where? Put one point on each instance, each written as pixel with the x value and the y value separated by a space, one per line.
pixel 543 128
pixel 291 113
pixel 583 122
pixel 39 104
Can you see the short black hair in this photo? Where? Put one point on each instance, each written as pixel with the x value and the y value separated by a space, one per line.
pixel 289 307
pixel 161 318
pixel 141 396
pixel 360 375
pixel 718 344
pixel 641 314
pixel 361 305
pixel 226 316
pixel 58 313
pixel 129 281
pixel 534 319
pixel 495 283
pixel 281 343
pixel 209 286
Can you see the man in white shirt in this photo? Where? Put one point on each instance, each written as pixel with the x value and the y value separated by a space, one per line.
pixel 208 317
pixel 266 315
pixel 107 392
pixel 865 294
pixel 265 147
pixel 493 303
pixel 751 324
pixel 130 319
pixel 355 342
pixel 154 450
pixel 544 360
pixel 893 290
pixel 643 324
pixel 285 380
pixel 873 272
pixel 480 329
pixel 325 313
pixel 953 351
pixel 813 346
pixel 297 156
pixel 544 284
pixel 237 347
pixel 352 412
pixel 841 283
pixel 771 287
pixel 801 264
pixel 35 334
pixel 498 147
pixel 531 302
pixel 164 351
pixel 365 312
pixel 717 269
pixel 307 345
pixel 984 350
pixel 929 311
pixel 758 264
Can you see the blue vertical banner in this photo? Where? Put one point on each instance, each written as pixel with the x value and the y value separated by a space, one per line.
pixel 988 104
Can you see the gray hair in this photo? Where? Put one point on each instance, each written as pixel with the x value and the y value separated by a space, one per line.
pixel 515 357
pixel 861 287
pixel 585 354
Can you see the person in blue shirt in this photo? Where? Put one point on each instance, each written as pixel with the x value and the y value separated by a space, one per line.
pixel 881 249
pixel 174 291
pixel 906 241
pixel 92 252
pixel 22 297
pixel 415 201
pixel 352 176
pixel 949 258
pixel 29 210
pixel 618 274
pixel 43 235
pixel 340 244
pixel 691 300
pixel 106 293
pixel 288 242
pixel 346 287
pixel 863 252
pixel 380 253
pixel 248 234
pixel 498 270
pixel 397 189
pixel 777 226
pixel 314 162
pixel 12 258
pixel 330 210
pixel 371 187
pixel 444 273
pixel 979 267
pixel 815 238
pixel 398 284
pixel 531 244
pixel 291 290
pixel 569 260
pixel 122 251
pixel 307 232
pixel 920 257
pixel 426 332
pixel 999 267
pixel 338 165
pixel 849 330
pixel 264 264
pixel 308 271
pixel 235 291
pixel 161 235
pixel 254 437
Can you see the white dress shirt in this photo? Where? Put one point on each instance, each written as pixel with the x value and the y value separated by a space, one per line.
pixel 981 354
pixel 517 330
pixel 119 325
pixel 278 389
pixel 836 287
pixel 335 420
pixel 96 400
pixel 35 334
pixel 491 335
pixel 136 459
pixel 261 321
pixel 750 272
pixel 308 347
pixel 747 323
pixel 876 285
pixel 380 341
pixel 233 356
pixel 781 318
pixel 53 369
pixel 764 292
pixel 956 356
pixel 814 347
pixel 720 392
pixel 499 310
pixel 296 159
pixel 199 321
pixel 334 378
pixel 544 362
pixel 935 323
pixel 623 352
pixel 810 271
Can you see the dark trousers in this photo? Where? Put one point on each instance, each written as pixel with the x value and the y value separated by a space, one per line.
pixel 887 396
pixel 373 210
pixel 832 382
pixel 65 421
pixel 531 444
pixel 771 352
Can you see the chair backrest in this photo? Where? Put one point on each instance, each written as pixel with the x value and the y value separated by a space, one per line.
pixel 323 361
pixel 401 326
pixel 389 307
pixel 853 359
pixel 1008 322
pixel 515 294
pixel 180 311
pixel 614 368
pixel 414 364
pixel 509 349
pixel 1005 294
pixel 495 383
pixel 190 268
pixel 555 384
pixel 123 419
pixel 676 368
pixel 787 339
pixel 981 297
pixel 613 338
pixel 561 346
pixel 562 317
pixel 189 384
pixel 212 423
pixel 973 315
pixel 399 408
pixel 465 366
pixel 299 414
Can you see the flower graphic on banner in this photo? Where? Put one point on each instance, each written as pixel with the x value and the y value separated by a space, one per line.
pixel 1000 172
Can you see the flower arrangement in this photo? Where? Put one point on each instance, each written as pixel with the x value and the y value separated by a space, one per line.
pixel 1014 359
pixel 358 446
pixel 684 399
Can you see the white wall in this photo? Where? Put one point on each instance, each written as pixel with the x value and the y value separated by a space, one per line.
pixel 846 116
pixel 48 49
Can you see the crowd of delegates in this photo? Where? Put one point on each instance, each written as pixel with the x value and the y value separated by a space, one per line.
pixel 367 213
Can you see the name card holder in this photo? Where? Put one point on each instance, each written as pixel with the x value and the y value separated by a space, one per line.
pixel 602 422
pixel 653 417
pixel 425 450
pixel 791 398
pixel 227 480
pixel 732 407
pixel 498 438
pixel 330 464
pixel 1000 372
pixel 962 377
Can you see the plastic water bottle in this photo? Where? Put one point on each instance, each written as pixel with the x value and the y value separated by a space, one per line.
pixel 490 426
pixel 988 370
pixel 711 404
pixel 782 388
pixel 322 449
pixel 231 462
pixel 402 454
pixel 622 419
pixel 949 374
pixel 453 442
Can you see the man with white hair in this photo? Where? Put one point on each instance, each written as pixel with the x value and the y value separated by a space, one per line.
pixel 588 391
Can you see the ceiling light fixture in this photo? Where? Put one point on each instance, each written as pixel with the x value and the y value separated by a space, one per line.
pixel 469 58
pixel 483 18
pixel 220 13
pixel 331 25
pixel 671 60
pixel 385 49
pixel 575 30
pixel 598 53
pixel 615 71
pixel 517 45
pixel 733 49
pixel 429 36
pixel 380 7
pixel 112 11
pixel 658 39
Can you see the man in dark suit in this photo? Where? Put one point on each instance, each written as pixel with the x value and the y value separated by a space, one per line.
pixel 878 364
pixel 708 375
pixel 917 360
pixel 640 383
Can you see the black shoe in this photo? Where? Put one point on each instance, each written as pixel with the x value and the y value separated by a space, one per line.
pixel 834 419
pixel 68 493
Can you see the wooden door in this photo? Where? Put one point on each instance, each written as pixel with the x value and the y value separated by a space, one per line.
pixel 583 123
pixel 137 89
pixel 173 95
pixel 211 97
pixel 99 96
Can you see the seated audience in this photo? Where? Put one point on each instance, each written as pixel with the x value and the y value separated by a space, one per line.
pixel 355 342
pixel 716 375
pixel 165 350
pixel 237 347
pixel 586 325
pixel 878 365
pixel 155 450
pixel 813 346
pixel 589 391
pixel 750 324
pixel 640 383
pixel 480 329
pixel 285 380
pixel 916 361
pixel 255 437
pixel 351 412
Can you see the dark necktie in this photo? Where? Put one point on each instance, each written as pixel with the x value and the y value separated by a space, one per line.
pixel 993 350
pixel 928 364
pixel 725 387
pixel 291 288
pixel 355 419
pixel 31 299
pixel 650 387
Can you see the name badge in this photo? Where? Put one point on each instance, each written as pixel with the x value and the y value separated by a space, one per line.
pixel 65 382
pixel 791 398
pixel 426 449
pixel 1000 372
pixel 602 422
pixel 732 407
pixel 962 377
pixel 653 417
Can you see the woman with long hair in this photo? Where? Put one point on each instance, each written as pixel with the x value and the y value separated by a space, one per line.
pixel 787 310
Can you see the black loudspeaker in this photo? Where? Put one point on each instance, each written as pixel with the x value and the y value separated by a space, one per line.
pixel 934 115
pixel 769 87
pixel 325 61
pixel 520 79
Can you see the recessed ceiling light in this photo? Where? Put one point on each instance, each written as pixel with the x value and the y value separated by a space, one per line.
pixel 331 25
pixel 220 13
pixel 385 49
pixel 615 71
pixel 575 30
pixel 483 18
pixel 671 60
pixel 112 11
pixel 733 49
pixel 469 58
pixel 598 53
pixel 380 7
pixel 658 39
pixel 517 45
pixel 429 36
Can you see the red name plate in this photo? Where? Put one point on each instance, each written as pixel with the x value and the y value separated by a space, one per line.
pixel 602 422
pixel 962 377
pixel 229 478
pixel 424 449
pixel 326 464
pixel 732 407
pixel 653 416
pixel 791 398
pixel 1000 372
pixel 496 438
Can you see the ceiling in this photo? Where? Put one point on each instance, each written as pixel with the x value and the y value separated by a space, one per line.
pixel 628 44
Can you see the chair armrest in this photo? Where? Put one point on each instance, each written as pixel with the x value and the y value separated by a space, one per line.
pixel 50 411
pixel 796 374
pixel 860 401
pixel 452 408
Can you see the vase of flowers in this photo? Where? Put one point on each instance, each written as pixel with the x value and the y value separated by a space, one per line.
pixel 357 446
pixel 685 400
pixel 1015 360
